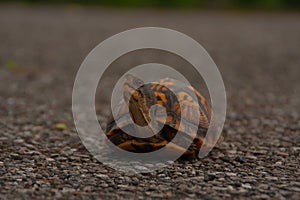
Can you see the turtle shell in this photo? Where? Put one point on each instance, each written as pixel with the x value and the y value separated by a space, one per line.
pixel 182 118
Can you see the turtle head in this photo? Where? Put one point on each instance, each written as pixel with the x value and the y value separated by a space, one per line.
pixel 131 87
pixel 135 95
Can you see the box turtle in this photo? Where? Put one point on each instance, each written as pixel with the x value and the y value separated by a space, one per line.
pixel 180 119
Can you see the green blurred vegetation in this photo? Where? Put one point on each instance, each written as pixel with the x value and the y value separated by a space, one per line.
pixel 244 4
pixel 10 64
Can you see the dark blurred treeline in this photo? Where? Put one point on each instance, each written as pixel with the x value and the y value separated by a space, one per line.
pixel 222 4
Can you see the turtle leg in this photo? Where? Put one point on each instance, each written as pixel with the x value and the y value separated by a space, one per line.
pixel 169 148
pixel 127 145
pixel 141 147
pixel 193 151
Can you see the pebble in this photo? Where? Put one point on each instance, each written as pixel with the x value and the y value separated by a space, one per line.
pixel 220 188
pixel 271 178
pixel 3 138
pixel 296 149
pixel 54 155
pixel 19 141
pixel 209 176
pixel 141 168
pixel 295 189
pixel 61 158
pixel 230 174
pixel 50 159
pixel 247 186
pixel 281 153
pixel 251 157
pixel 262 197
pixel 225 158
pixel 261 152
pixel 240 159
pixel 16 156
pixel 229 187
pixel 279 163
pixel 237 184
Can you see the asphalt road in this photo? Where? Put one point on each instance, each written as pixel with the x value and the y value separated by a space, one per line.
pixel 41 50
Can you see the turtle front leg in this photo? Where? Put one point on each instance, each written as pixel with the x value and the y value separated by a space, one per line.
pixel 141 147
pixel 144 147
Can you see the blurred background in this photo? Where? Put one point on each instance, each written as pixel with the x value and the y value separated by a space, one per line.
pixel 212 4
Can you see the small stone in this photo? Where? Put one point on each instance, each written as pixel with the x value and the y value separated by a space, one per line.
pixel 221 179
pixel 281 153
pixel 19 141
pixel 261 152
pixel 263 186
pixel 247 186
pixel 3 138
pixel 162 165
pixel 123 187
pixel 240 159
pixel 262 196
pixel 278 163
pixel 102 176
pixel 33 153
pixel 161 175
pixel 68 190
pixel 54 155
pixel 229 187
pixel 251 157
pixel 104 185
pixel 237 184
pixel 61 158
pixel 27 160
pixel 88 188
pixel 50 159
pixel 170 162
pixel 271 178
pixel 15 156
pixel 296 149
pixel 74 158
pixel 209 176
pixel 219 188
pixel 230 174
pixel 225 158
pixel 295 189
pixel 134 182
pixel 182 187
pixel 140 168
pixel 231 152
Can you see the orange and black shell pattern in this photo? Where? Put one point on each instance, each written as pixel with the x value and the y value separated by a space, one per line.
pixel 181 118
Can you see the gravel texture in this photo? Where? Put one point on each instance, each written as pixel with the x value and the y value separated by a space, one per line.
pixel 42 157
